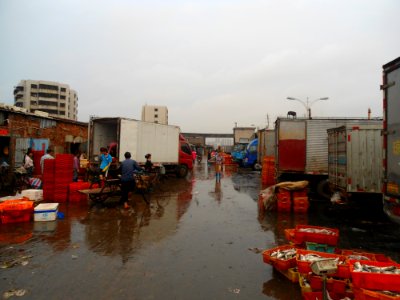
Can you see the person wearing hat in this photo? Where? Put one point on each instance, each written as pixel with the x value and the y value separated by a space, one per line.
pixel 128 168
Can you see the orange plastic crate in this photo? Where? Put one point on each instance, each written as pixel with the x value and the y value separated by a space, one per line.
pixel 332 285
pixel 320 238
pixel 304 267
pixel 284 206
pixel 280 264
pixel 15 211
pixel 375 281
pixel 300 201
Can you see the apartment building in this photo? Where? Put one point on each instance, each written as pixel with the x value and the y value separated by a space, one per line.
pixel 155 114
pixel 55 99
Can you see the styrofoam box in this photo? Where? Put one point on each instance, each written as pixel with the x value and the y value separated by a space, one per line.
pixel 43 227
pixel 32 194
pixel 45 212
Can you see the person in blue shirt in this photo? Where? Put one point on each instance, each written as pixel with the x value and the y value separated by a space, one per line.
pixel 105 162
pixel 128 168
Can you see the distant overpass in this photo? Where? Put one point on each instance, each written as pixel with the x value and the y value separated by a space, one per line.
pixel 199 139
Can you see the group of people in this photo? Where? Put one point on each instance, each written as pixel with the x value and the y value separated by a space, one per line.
pixel 129 167
pixel 29 165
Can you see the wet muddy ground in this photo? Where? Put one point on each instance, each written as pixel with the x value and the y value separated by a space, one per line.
pixel 191 243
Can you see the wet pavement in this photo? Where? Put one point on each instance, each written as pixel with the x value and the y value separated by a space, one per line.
pixel 192 243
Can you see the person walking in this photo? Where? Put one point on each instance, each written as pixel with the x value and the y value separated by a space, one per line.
pixel 49 155
pixel 218 158
pixel 128 168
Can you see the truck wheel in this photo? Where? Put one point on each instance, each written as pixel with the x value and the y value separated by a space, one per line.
pixel 182 171
pixel 323 189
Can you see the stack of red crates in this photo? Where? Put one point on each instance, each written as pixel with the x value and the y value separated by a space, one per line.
pixel 268 171
pixel 64 172
pixel 284 202
pixel 16 210
pixel 48 179
pixel 300 201
pixel 74 194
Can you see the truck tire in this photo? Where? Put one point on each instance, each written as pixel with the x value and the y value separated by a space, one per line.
pixel 323 189
pixel 182 171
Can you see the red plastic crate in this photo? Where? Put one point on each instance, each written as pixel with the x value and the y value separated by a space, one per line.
pixel 375 281
pixel 383 296
pixel 300 193
pixel 332 285
pixel 300 201
pixel 304 267
pixel 320 238
pixel 300 209
pixel 284 206
pixel 280 264
pixel 319 296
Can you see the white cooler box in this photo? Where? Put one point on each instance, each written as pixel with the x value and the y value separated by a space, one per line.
pixel 34 195
pixel 45 212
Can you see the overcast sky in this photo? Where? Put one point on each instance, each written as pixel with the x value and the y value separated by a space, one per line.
pixel 212 63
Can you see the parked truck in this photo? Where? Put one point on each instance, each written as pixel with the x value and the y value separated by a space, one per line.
pixel 250 157
pixel 391 138
pixel 355 159
pixel 165 143
pixel 239 152
pixel 301 151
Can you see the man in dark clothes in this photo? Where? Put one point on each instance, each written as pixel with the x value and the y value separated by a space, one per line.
pixel 128 168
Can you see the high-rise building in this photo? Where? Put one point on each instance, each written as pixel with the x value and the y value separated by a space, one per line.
pixel 155 114
pixel 54 98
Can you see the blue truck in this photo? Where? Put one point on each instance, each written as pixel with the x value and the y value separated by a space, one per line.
pixel 239 152
pixel 250 158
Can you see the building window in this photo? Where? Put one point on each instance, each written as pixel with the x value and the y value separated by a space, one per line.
pixel 34 94
pixel 62 104
pixel 156 122
pixel 33 86
pixel 45 123
pixel 155 116
pixel 62 97
pixel 49 103
pixel 63 89
pixel 48 87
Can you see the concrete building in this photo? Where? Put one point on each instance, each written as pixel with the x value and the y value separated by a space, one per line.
pixel 156 114
pixel 53 98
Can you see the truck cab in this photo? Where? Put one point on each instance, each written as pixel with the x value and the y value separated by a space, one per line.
pixel 250 158
pixel 239 152
pixel 185 157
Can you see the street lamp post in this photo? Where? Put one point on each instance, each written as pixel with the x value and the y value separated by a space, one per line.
pixel 307 104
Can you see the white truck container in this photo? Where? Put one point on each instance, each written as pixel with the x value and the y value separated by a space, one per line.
pixel 355 159
pixel 391 143
pixel 301 151
pixel 121 135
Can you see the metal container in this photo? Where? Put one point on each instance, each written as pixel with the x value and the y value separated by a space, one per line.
pixel 391 139
pixel 355 158
pixel 266 143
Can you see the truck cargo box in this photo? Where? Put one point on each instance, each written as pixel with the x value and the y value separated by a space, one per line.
pixel 137 137
pixel 355 158
pixel 302 144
